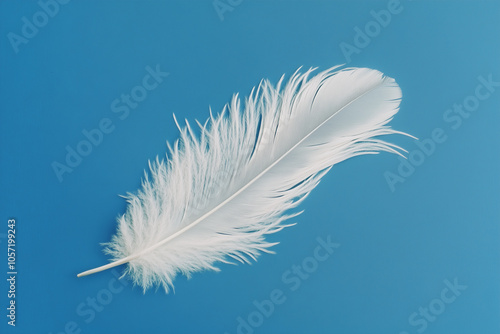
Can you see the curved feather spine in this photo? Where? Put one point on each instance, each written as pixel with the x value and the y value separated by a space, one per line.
pixel 276 109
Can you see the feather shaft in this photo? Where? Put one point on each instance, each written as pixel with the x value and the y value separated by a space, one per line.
pixel 274 154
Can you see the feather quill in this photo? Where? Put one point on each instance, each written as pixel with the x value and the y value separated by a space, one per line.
pixel 219 193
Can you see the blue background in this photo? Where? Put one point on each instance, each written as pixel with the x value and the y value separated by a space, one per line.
pixel 396 247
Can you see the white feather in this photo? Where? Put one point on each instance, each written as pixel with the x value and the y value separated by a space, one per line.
pixel 219 193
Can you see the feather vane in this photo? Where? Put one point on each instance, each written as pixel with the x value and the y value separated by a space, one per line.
pixel 221 191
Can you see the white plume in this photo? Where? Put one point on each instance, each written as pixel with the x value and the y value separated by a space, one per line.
pixel 220 192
